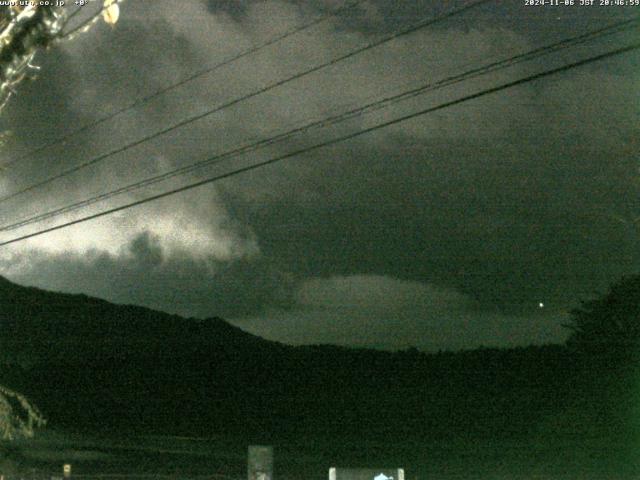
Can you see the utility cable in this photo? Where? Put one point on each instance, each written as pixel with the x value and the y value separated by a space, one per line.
pixel 237 100
pixel 334 141
pixel 137 103
pixel 372 106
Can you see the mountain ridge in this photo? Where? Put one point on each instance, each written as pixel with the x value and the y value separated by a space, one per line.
pixel 96 366
pixel 43 324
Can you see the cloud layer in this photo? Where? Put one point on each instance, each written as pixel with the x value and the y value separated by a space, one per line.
pixel 444 232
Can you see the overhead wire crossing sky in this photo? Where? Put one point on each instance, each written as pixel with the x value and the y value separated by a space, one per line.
pixel 371 45
pixel 501 87
pixel 377 104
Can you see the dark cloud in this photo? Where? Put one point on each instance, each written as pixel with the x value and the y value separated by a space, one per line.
pixel 235 8
pixel 508 226
pixel 378 311
pixel 176 282
pixel 146 250
pixel 449 229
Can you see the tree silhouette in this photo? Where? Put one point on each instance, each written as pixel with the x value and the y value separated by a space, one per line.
pixel 18 417
pixel 611 323
pixel 24 30
pixel 27 27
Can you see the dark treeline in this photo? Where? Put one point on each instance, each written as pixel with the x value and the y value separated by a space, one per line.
pixel 93 366
pixel 329 391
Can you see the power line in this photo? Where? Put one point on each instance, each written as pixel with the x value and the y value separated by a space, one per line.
pixel 255 93
pixel 334 141
pixel 72 14
pixel 218 158
pixel 200 73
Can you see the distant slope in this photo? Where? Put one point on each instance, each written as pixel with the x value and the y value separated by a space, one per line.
pixel 44 326
pixel 97 366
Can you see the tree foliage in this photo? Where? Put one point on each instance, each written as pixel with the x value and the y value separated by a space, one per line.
pixel 27 28
pixel 24 30
pixel 610 323
pixel 18 416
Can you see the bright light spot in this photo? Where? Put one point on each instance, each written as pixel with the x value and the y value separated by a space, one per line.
pixel 541 305
pixel 110 12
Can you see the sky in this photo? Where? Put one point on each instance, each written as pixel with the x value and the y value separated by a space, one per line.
pixel 481 224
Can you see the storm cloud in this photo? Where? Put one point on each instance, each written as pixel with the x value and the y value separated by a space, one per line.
pixel 446 231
